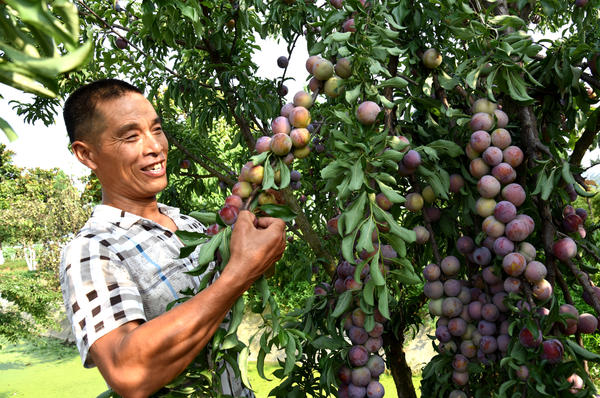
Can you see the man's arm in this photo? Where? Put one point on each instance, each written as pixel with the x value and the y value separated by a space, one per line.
pixel 138 359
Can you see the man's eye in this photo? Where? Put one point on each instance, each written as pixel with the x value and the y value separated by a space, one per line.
pixel 131 137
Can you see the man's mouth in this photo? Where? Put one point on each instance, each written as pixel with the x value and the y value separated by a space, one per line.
pixel 154 167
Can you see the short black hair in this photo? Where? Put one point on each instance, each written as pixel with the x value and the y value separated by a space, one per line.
pixel 80 107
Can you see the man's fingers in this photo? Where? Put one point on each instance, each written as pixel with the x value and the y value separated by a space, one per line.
pixel 246 217
pixel 265 222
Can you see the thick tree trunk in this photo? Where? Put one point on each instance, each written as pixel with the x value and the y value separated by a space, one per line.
pixel 396 360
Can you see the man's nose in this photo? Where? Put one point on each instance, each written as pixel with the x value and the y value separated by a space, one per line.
pixel 152 143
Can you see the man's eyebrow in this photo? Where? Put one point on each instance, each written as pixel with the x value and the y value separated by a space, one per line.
pixel 158 120
pixel 126 127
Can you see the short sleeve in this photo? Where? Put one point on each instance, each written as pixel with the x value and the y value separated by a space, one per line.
pixel 98 292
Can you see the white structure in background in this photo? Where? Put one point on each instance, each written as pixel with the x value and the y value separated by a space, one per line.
pixel 30 258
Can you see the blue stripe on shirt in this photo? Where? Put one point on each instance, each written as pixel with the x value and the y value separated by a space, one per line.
pixel 160 273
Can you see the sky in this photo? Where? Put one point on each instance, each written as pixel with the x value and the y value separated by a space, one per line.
pixel 47 147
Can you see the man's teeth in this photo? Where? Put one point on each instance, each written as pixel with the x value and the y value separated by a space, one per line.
pixel 157 166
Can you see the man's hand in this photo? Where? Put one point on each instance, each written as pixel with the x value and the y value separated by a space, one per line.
pixel 256 244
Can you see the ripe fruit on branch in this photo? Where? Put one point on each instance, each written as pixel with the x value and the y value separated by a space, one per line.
pixel 564 249
pixel 367 112
pixel 302 98
pixel 484 105
pixel 185 164
pixel 348 25
pixel 229 214
pixel 281 144
pixel 333 87
pixel 299 117
pixel 263 144
pixel 300 137
pixel 432 58
pixel 481 121
pixel 242 189
pixel 282 61
pixel 281 125
pixel 121 43
pixel 322 69
pixel 343 68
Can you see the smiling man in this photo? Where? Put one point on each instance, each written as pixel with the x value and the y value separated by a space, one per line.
pixel 123 268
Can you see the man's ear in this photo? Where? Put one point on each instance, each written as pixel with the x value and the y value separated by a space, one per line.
pixel 85 153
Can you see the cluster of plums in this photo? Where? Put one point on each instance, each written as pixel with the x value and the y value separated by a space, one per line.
pixel 475 314
pixel 359 376
pixel 327 77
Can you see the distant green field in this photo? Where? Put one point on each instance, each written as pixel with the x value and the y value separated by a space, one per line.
pixel 52 370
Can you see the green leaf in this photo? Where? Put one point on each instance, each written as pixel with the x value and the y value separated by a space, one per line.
pixel 368 292
pixel 237 313
pixel 352 95
pixel 355 213
pixel 348 247
pixel 260 158
pixel 383 305
pixel 207 251
pixel 204 217
pixel 582 352
pixel 343 116
pixel 396 82
pixel 508 20
pixel 268 176
pixel 8 131
pixel 391 154
pixel 375 271
pixel 243 365
pixel 548 186
pixel 389 193
pixel 290 356
pixel 278 211
pixel 566 173
pixel 366 232
pixel 358 176
pixel 343 303
pixel 284 173
pixel 339 36
pixel 189 238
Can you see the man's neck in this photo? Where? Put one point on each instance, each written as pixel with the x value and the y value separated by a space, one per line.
pixel 146 208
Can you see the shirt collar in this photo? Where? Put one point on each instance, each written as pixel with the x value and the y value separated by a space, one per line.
pixel 124 219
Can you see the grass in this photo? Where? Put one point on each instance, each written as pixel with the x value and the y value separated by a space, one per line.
pixel 13 265
pixel 51 369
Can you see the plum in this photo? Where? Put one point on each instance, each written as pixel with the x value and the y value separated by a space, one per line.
pixel 527 250
pixel 433 289
pixel 552 351
pixel 475 310
pixel 504 173
pixel 376 365
pixel 460 378
pixel 513 155
pixel 460 363
pixel 587 323
pixel 375 389
pixel 422 234
pixel 527 338
pixel 505 211
pixel 542 290
pixel 374 344
pixel 465 244
pixel 478 168
pixel 357 335
pixel 367 112
pixel 358 355
pixel 503 246
pixel 514 264
pixel 503 341
pixel 452 287
pixel 514 193
pixel 488 344
pixel 501 138
pixel 564 249
pixel 456 183
pixel 486 328
pixel 414 202
pixel 493 228
pixel 432 272
pixel 358 317
pixel 522 372
pixel 492 156
pixel 468 348
pixel 484 207
pixel 490 312
pixel 481 122
pixel 452 307
pixel 457 326
pixel 512 285
pixel 450 265
pixel 535 271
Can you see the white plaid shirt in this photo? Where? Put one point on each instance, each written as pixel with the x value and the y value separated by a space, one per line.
pixel 122 267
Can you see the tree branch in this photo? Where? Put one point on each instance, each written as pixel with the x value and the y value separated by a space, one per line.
pixel 222 177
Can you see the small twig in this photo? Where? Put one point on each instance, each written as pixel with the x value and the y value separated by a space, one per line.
pixel 251 197
pixel 584 281
pixel 222 177
pixel 197 176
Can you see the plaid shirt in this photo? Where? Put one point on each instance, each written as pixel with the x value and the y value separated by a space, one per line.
pixel 122 267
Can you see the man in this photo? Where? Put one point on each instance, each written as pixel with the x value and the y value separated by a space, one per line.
pixel 122 269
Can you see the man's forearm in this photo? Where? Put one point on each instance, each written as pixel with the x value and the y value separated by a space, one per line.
pixel 146 357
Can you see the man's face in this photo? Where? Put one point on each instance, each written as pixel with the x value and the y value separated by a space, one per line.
pixel 131 151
